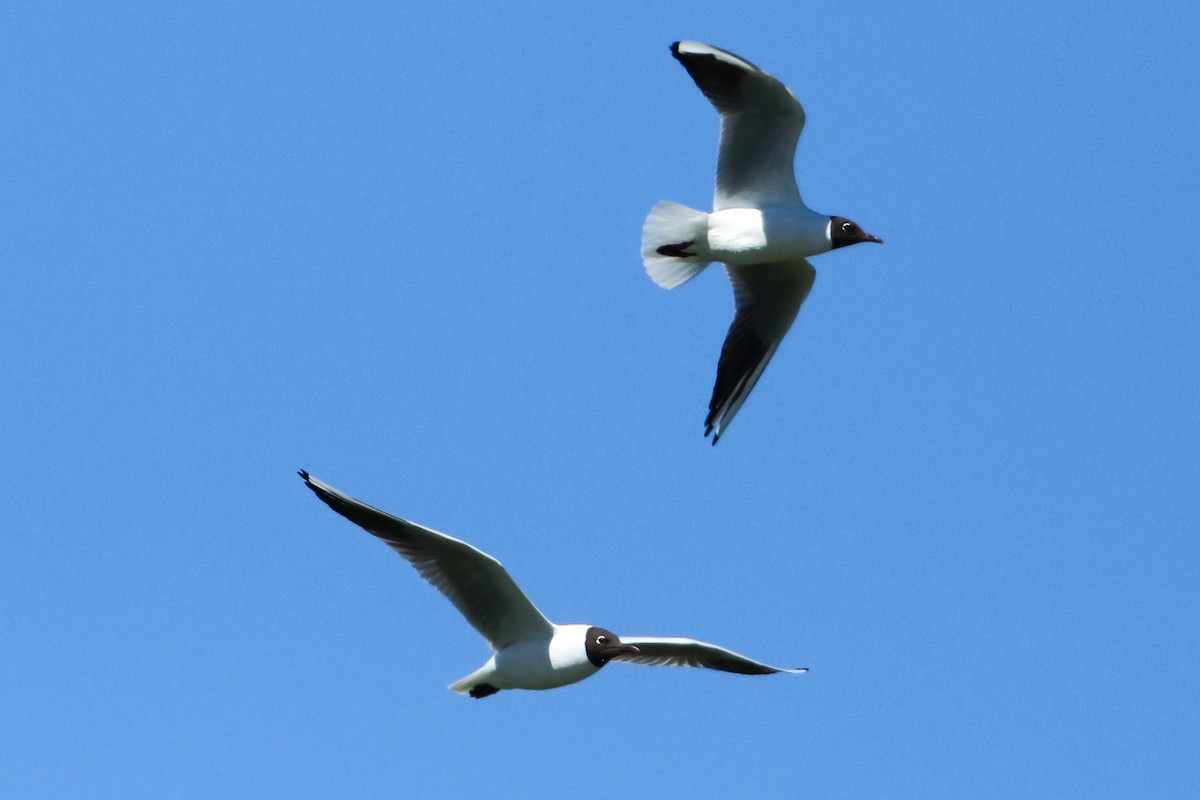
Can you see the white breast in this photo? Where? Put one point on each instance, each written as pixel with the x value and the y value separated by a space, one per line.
pixel 742 236
pixel 734 232
pixel 542 665
pixel 568 652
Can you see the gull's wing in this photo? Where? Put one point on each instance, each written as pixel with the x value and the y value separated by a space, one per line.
pixel 475 582
pixel 673 651
pixel 768 297
pixel 760 124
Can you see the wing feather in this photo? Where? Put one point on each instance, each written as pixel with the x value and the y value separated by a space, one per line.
pixel 761 121
pixel 680 652
pixel 477 584
pixel 768 298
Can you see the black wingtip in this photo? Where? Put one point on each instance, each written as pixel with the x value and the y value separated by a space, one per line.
pixel 317 490
pixel 675 49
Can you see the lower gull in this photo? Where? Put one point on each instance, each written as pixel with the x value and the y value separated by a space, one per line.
pixel 529 651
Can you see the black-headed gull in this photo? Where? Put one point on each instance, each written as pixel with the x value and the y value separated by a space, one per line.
pixel 759 227
pixel 530 651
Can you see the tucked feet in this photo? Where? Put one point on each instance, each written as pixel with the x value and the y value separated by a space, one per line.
pixel 676 250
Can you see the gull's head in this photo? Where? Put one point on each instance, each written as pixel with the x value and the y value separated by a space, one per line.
pixel 843 232
pixel 602 646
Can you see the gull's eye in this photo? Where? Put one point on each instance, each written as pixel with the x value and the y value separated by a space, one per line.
pixel 601 640
pixel 846 226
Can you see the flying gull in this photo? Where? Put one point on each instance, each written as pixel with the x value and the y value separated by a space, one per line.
pixel 530 651
pixel 759 227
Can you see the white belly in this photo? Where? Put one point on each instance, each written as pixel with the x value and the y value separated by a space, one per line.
pixel 531 667
pixel 741 236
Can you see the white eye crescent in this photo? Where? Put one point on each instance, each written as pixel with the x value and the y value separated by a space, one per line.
pixel 601 640
pixel 845 226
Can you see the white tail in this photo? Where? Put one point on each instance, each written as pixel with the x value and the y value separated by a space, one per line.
pixel 481 675
pixel 670 224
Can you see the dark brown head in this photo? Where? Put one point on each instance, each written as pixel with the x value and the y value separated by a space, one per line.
pixel 602 646
pixel 843 232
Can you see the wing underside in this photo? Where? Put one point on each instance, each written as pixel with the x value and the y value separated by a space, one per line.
pixel 761 122
pixel 681 652
pixel 768 298
pixel 477 584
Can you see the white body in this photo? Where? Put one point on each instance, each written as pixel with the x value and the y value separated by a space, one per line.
pixel 749 236
pixel 741 238
pixel 537 664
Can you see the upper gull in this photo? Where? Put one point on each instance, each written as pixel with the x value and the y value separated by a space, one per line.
pixel 759 227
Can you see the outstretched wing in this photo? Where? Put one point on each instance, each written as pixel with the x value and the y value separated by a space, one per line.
pixel 760 124
pixel 678 652
pixel 477 584
pixel 768 298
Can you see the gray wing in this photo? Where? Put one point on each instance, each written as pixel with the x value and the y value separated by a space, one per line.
pixel 768 298
pixel 473 581
pixel 673 651
pixel 760 124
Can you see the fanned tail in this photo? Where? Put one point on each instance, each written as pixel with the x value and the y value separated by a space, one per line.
pixel 673 236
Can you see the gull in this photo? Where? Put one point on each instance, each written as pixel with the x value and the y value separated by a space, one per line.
pixel 529 651
pixel 759 227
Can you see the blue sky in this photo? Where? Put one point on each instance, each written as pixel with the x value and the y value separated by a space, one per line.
pixel 398 247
